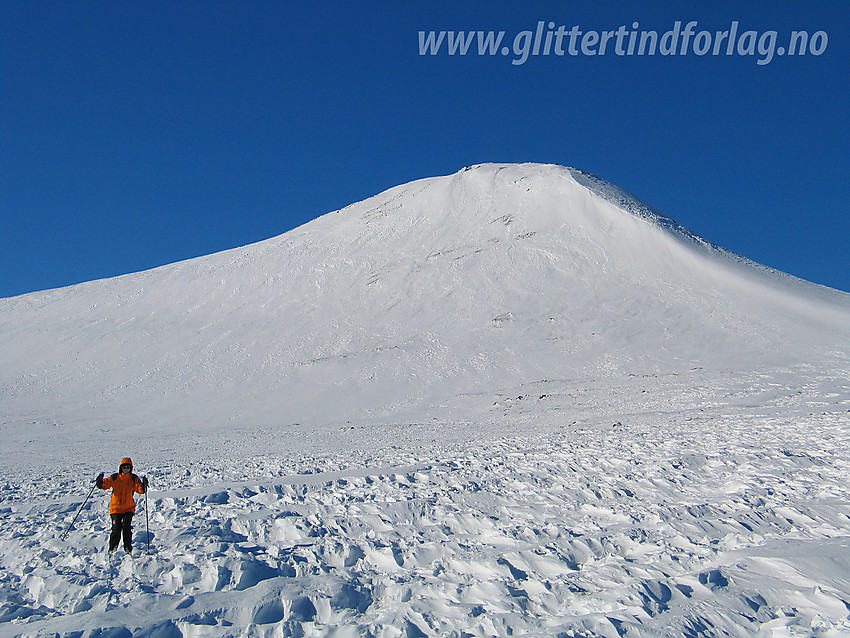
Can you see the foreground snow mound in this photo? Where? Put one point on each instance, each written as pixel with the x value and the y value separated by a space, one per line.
pixel 725 517
pixel 495 276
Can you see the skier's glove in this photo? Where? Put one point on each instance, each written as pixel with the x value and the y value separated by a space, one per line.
pixel 144 484
pixel 99 480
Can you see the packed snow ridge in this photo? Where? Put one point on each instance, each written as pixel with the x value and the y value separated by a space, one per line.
pixel 513 400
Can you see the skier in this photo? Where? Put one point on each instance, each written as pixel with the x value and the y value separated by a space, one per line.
pixel 122 506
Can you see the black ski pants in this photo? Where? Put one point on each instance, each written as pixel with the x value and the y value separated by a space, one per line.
pixel 121 526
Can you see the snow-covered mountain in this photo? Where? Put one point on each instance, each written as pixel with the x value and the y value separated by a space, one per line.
pixel 511 401
pixel 492 277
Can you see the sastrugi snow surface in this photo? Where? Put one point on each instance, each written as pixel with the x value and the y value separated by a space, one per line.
pixel 513 400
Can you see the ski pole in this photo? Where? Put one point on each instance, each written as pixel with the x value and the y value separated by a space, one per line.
pixel 147 521
pixel 65 535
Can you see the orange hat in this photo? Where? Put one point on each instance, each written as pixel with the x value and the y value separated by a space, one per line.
pixel 126 460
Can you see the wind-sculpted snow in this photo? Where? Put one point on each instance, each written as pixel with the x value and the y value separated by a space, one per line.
pixel 727 515
pixel 631 204
pixel 636 207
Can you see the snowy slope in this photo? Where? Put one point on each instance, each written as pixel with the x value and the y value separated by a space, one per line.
pixel 511 401
pixel 492 277
pixel 721 509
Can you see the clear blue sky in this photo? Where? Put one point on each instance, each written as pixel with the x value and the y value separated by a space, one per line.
pixel 134 134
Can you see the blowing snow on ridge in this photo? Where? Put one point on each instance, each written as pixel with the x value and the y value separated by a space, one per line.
pixel 515 399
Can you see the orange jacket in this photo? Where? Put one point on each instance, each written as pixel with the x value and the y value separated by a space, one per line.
pixel 123 486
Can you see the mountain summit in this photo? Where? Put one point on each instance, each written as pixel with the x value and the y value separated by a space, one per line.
pixel 494 277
